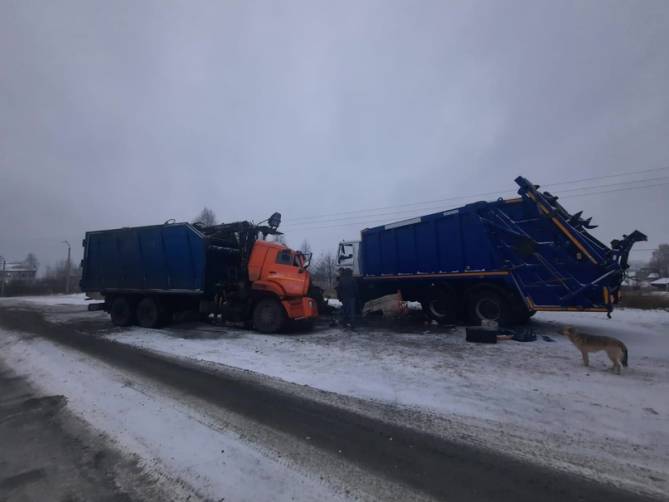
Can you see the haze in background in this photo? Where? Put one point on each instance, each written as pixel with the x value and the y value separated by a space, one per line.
pixel 129 113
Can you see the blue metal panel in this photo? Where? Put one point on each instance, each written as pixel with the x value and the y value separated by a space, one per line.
pixel 154 260
pixel 476 246
pixel 388 255
pixel 427 250
pixel 158 258
pixel 406 250
pixel 371 253
pixel 449 243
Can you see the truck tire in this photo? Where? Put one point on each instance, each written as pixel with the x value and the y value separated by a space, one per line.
pixel 268 316
pixel 121 312
pixel 440 305
pixel 150 313
pixel 489 304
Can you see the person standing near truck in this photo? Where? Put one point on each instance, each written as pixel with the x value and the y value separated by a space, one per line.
pixel 347 293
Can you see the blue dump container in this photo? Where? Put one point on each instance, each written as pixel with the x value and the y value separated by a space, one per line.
pixel 528 252
pixel 159 258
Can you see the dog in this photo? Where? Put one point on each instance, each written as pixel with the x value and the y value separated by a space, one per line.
pixel 615 349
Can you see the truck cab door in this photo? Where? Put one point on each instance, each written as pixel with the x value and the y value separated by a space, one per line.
pixel 287 271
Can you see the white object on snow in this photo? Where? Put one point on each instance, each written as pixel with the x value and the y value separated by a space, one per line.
pixel 390 305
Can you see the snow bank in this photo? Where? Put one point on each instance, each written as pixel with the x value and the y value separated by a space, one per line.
pixel 74 299
pixel 538 392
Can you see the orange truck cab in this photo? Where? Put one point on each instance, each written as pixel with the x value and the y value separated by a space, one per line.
pixel 279 273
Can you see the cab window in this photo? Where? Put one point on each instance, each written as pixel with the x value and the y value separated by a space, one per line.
pixel 284 257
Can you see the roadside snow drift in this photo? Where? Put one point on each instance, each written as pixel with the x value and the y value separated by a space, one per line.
pixel 534 399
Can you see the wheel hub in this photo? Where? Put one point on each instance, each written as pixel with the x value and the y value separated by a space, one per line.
pixel 489 309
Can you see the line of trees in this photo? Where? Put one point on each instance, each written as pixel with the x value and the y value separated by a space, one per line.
pixel 207 217
pixel 323 268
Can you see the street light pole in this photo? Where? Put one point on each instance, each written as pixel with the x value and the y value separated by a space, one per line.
pixel 2 283
pixel 67 269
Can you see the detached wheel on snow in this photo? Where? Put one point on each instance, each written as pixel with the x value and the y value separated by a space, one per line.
pixel 268 316
pixel 150 314
pixel 440 305
pixel 488 305
pixel 121 312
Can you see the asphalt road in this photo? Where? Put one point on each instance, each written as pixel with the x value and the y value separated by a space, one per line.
pixel 46 453
pixel 428 464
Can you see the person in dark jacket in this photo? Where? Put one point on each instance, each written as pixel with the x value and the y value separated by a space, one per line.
pixel 347 293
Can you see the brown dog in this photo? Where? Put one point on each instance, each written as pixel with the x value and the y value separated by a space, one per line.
pixel 615 349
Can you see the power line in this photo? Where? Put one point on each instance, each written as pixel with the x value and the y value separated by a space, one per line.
pixel 469 196
pixel 369 221
pixel 609 176
pixel 413 212
pixel 304 219
pixel 617 190
pixel 423 210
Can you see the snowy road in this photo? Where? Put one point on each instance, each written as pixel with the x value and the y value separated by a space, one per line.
pixel 532 400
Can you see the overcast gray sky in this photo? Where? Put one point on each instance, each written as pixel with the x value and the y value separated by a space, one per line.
pixel 122 113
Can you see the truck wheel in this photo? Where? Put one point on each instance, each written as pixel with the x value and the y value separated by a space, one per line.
pixel 440 305
pixel 488 304
pixel 150 313
pixel 268 316
pixel 121 312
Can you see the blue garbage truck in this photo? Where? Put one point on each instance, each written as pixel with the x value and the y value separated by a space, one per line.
pixel 502 260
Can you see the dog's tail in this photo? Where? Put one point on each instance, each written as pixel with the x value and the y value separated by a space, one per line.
pixel 624 361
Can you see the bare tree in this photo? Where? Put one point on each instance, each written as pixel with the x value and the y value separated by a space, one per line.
pixel 660 260
pixel 207 217
pixel 324 271
pixel 55 276
pixel 305 247
pixel 32 261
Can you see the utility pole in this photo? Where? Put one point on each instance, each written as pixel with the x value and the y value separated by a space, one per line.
pixel 67 269
pixel 2 286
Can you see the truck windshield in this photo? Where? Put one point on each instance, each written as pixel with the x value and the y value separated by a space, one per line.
pixel 345 253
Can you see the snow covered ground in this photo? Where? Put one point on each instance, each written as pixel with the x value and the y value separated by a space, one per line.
pixel 73 299
pixel 533 399
pixel 179 445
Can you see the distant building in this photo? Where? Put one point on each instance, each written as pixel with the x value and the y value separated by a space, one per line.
pixel 18 271
pixel 652 276
pixel 662 284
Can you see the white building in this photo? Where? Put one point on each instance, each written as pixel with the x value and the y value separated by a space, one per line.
pixel 17 271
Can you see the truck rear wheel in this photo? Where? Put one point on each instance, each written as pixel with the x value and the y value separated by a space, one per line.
pixel 121 312
pixel 440 305
pixel 150 313
pixel 488 304
pixel 268 316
